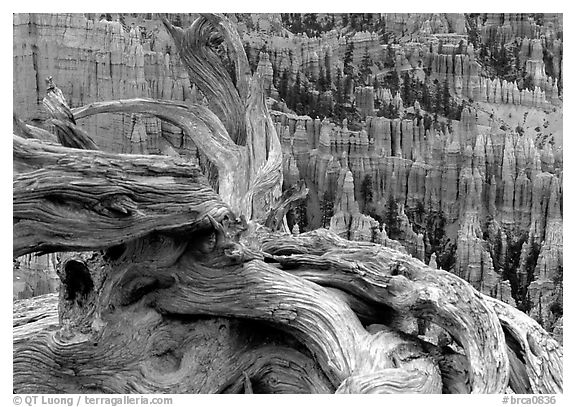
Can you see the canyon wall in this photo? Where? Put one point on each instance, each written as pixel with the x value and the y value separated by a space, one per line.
pixel 480 196
pixel 34 275
pixel 490 187
pixel 92 61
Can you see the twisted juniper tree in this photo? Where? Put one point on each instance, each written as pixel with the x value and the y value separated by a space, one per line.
pixel 170 286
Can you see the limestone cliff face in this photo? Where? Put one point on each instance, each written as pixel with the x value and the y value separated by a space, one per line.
pixel 265 69
pixel 464 76
pixel 349 223
pixel 506 26
pixel 438 42
pixel 545 292
pixel 493 191
pixel 34 275
pixel 94 60
pixel 364 96
pixel 473 178
pixel 473 260
pixel 423 24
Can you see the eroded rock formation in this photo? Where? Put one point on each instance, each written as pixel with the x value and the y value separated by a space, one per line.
pixel 487 181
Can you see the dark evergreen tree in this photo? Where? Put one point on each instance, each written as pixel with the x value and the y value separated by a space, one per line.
pixel 327 67
pixel 516 50
pixel 438 98
pixel 296 26
pixel 365 64
pixel 501 61
pixel 472 25
pixel 275 78
pixel 312 104
pixel 329 23
pixel 427 122
pixel 392 82
pixel 445 98
pixel 461 48
pixel 348 59
pixel 388 110
pixel 483 51
pixel 327 207
pixel 354 21
pixel 339 113
pixel 527 82
pixel 177 20
pixel 294 94
pixel 302 216
pixel 349 85
pixel 339 87
pixel 367 190
pixel 324 107
pixel 393 111
pixel 426 101
pixel 311 26
pixel 382 33
pixel 390 60
pixel 407 90
pixel 391 218
pixel 283 88
pixel 321 84
pixel 345 20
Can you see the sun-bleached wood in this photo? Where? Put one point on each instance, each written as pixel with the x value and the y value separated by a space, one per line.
pixel 67 199
pixel 167 288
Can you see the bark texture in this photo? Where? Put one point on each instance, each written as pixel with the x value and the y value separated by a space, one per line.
pixel 157 274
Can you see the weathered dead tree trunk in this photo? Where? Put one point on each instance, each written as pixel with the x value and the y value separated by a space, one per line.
pixel 137 195
pixel 166 257
pixel 249 178
pixel 165 289
pixel 68 133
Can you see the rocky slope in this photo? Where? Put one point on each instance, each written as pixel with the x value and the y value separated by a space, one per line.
pixel 443 136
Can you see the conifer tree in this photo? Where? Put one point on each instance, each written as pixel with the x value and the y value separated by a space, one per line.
pixel 345 20
pixel 283 88
pixel 365 70
pixel 390 60
pixel 367 190
pixel 393 82
pixel 321 83
pixel 391 218
pixel 426 104
pixel 348 59
pixel 446 98
pixel 327 207
pixel 438 99
pixel 407 90
pixel 328 74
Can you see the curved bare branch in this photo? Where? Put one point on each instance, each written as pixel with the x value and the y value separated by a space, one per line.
pixel 336 338
pixel 542 356
pixel 197 122
pixel 386 276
